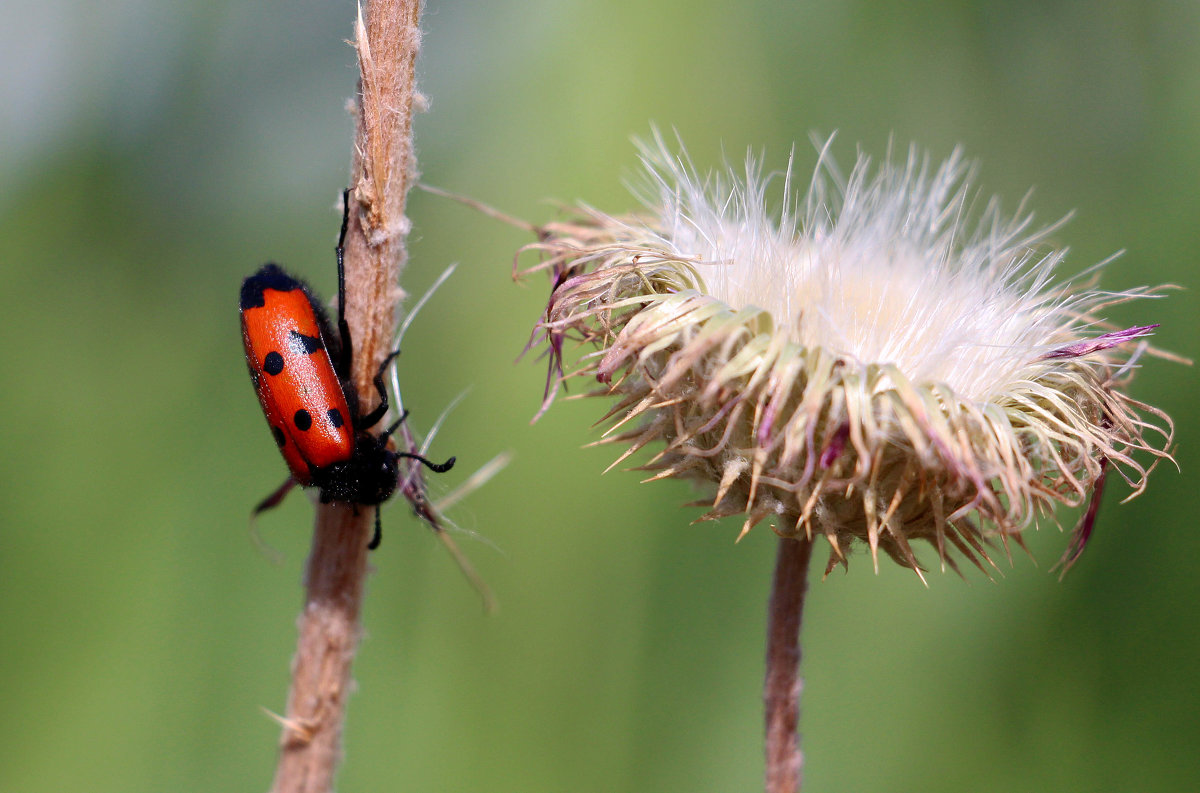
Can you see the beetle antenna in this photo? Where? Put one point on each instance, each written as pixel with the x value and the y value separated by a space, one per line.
pixel 432 466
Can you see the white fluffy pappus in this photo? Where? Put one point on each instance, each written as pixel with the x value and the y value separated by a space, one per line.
pixel 883 267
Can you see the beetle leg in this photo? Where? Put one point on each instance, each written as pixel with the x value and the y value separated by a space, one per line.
pixel 347 353
pixel 372 418
pixel 274 500
pixel 378 536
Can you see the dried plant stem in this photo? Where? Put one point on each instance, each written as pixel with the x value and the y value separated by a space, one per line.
pixel 329 633
pixel 781 689
pixel 386 40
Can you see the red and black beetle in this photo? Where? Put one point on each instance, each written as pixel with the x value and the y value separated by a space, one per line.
pixel 301 372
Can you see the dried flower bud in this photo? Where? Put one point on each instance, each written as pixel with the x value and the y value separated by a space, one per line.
pixel 864 363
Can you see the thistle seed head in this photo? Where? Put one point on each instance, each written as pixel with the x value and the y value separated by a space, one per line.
pixel 872 360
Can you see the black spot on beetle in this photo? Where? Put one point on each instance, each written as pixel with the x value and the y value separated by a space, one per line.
pixel 280 438
pixel 273 363
pixel 335 417
pixel 306 345
pixel 302 420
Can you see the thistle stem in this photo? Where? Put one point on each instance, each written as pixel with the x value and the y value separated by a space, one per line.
pixel 782 686
pixel 329 632
pixel 386 39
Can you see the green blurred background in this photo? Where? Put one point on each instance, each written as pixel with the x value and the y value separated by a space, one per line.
pixel 153 153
